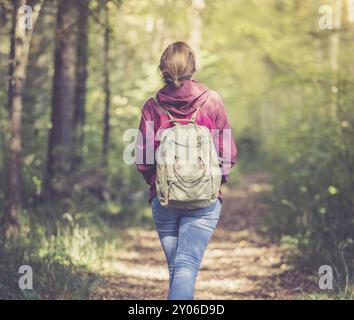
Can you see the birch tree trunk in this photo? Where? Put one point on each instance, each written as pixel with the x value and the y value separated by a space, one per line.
pixel 334 56
pixel 196 26
pixel 23 20
pixel 106 88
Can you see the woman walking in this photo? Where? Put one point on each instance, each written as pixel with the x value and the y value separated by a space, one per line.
pixel 184 231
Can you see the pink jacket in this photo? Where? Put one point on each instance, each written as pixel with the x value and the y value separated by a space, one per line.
pixel 181 103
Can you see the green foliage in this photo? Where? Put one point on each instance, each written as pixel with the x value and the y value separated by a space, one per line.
pixel 55 275
pixel 62 266
pixel 313 164
pixel 290 106
pixel 64 246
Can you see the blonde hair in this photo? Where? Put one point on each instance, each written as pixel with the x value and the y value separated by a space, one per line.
pixel 177 63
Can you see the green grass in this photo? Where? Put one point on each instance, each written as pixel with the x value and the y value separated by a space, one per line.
pixel 65 256
pixel 332 295
pixel 55 275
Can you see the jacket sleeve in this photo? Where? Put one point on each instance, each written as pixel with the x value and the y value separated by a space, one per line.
pixel 224 138
pixel 145 144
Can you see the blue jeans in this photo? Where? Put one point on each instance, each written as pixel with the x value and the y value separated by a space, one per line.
pixel 184 235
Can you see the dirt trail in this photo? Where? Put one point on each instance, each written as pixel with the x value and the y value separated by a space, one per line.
pixel 240 262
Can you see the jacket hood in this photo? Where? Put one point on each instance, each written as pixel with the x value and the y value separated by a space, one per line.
pixel 184 100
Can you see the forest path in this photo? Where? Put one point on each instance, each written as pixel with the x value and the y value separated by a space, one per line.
pixel 240 261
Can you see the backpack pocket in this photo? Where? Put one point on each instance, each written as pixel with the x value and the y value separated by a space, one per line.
pixel 185 192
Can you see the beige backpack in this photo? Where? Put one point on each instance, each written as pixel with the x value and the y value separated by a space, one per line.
pixel 188 175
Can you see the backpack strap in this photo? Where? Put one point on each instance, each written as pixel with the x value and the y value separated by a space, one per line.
pixel 194 116
pixel 164 110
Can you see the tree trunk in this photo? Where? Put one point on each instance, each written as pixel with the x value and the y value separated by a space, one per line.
pixel 334 56
pixel 18 60
pixel 106 88
pixel 81 77
pixel 63 96
pixel 196 26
